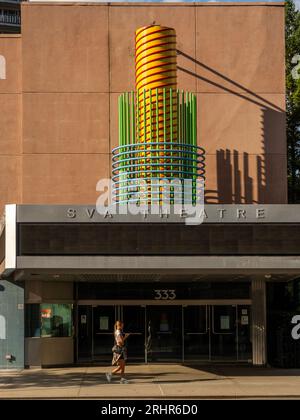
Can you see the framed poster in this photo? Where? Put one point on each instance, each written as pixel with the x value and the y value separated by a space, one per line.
pixel 225 322
pixel 104 323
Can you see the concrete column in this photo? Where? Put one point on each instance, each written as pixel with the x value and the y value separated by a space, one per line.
pixel 259 345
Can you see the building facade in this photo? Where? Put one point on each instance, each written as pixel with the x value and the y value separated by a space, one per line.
pixel 186 293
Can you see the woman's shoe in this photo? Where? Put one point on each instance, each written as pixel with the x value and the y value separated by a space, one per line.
pixel 108 377
pixel 124 381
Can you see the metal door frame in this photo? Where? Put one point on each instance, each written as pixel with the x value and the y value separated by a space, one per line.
pixel 207 321
pixel 236 333
pixel 182 333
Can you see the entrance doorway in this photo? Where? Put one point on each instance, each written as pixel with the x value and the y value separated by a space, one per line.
pixel 175 333
pixel 217 333
pixel 163 334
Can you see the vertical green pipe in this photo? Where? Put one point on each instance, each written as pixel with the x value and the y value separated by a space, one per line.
pixel 127 132
pixel 124 120
pixel 120 136
pixel 188 141
pixel 195 132
pixel 119 119
pixel 192 128
pixel 183 116
pixel 192 119
pixel 178 117
pixel 188 130
pixel 132 119
pixel 145 128
pixel 192 143
pixel 171 126
pixel 183 104
pixel 190 113
pixel 164 105
pixel 157 117
pixel 122 125
pixel 137 117
pixel 137 108
pixel 193 150
pixel 127 123
pixel 150 114
pixel 165 134
pixel 132 141
pixel 186 118
pixel 157 124
pixel 119 122
pixel 128 118
pixel 144 116
pixel 171 115
pixel 150 121
pixel 195 120
pixel 194 166
pixel 195 141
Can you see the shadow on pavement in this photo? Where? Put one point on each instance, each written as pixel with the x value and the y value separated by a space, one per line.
pixel 93 376
pixel 240 371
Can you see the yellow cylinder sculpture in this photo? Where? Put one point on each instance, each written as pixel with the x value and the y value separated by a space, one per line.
pixel 157 128
pixel 156 84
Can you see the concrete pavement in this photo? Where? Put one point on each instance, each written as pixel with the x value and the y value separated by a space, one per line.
pixel 151 382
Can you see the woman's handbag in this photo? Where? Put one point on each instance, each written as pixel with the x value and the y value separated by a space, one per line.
pixel 117 353
pixel 115 359
pixel 117 349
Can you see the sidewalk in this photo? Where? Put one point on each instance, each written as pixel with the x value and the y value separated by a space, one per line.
pixel 152 381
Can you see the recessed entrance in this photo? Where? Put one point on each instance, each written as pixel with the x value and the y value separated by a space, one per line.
pixel 171 333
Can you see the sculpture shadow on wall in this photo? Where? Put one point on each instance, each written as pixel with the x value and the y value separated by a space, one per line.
pixel 233 167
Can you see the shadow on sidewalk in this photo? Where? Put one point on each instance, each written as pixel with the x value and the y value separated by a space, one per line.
pixel 53 378
pixel 229 371
pixel 64 378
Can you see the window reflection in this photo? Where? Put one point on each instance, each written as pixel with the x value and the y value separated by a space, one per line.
pixel 49 320
pixel 56 320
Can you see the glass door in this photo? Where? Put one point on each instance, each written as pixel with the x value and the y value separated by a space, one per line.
pixel 224 332
pixel 104 318
pixel 164 336
pixel 134 323
pixel 84 333
pixel 244 333
pixel 167 333
pixel 196 333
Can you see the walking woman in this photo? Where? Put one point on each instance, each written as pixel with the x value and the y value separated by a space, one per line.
pixel 119 353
